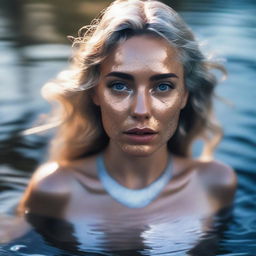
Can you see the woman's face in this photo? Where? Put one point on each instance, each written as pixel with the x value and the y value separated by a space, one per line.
pixel 141 93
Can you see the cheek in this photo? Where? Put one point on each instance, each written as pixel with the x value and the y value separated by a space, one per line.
pixel 168 107
pixel 171 125
pixel 168 112
pixel 172 121
pixel 113 114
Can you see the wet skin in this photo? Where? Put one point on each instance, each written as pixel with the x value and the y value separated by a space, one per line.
pixel 141 85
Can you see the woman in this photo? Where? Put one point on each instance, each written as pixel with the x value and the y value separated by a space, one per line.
pixel 138 94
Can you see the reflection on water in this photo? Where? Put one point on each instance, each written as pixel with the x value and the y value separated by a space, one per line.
pixel 108 237
pixel 34 48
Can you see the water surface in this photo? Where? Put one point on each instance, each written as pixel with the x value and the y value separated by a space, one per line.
pixel 34 49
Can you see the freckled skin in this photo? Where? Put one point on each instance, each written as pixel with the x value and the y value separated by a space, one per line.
pixel 141 106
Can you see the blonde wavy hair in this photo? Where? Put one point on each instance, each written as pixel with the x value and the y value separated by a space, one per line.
pixel 80 131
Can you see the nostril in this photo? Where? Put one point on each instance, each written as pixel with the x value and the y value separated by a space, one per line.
pixel 137 115
pixel 141 107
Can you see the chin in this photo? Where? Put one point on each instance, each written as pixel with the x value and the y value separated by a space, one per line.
pixel 138 150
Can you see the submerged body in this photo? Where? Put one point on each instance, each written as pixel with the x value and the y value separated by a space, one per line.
pixel 178 218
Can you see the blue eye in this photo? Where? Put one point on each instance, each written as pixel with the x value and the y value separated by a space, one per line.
pixel 164 87
pixel 119 86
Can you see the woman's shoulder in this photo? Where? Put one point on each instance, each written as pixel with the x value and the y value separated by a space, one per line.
pixel 49 184
pixel 53 177
pixel 211 172
pixel 216 174
pixel 52 184
pixel 218 179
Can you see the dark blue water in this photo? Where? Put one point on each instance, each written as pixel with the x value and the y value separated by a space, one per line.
pixel 33 49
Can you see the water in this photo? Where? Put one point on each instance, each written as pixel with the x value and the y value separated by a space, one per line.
pixel 34 49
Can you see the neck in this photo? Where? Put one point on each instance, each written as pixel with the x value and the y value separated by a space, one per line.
pixel 135 172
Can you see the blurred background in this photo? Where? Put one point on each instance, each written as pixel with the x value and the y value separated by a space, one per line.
pixel 34 48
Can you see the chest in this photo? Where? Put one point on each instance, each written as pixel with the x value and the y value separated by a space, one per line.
pixel 176 199
pixel 173 221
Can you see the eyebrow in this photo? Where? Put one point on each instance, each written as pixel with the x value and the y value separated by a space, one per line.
pixel 162 76
pixel 121 75
pixel 130 77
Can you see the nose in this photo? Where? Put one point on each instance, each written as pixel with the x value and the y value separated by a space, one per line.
pixel 141 106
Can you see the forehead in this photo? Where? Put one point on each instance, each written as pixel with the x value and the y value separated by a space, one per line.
pixel 143 51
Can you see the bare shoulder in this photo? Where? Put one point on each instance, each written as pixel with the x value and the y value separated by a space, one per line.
pixel 51 178
pixel 48 190
pixel 215 173
pixel 54 178
pixel 53 186
pixel 219 180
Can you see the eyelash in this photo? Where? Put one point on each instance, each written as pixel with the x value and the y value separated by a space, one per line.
pixel 170 85
pixel 111 85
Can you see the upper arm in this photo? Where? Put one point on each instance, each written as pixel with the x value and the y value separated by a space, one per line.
pixel 48 191
pixel 220 182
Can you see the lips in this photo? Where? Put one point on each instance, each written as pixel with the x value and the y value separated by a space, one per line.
pixel 140 135
pixel 140 131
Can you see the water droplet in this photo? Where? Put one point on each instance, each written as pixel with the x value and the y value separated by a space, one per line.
pixel 16 247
